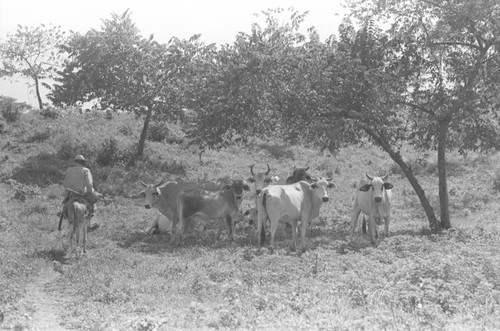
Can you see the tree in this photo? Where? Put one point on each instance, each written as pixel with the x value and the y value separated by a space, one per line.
pixel 32 52
pixel 440 71
pixel 122 70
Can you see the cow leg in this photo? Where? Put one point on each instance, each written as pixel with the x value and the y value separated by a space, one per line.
pixel 386 228
pixel 293 225
pixel 372 229
pixel 230 227
pixel 274 226
pixel 303 227
pixel 153 226
pixel 354 219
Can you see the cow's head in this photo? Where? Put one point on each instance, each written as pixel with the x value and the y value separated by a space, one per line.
pixel 151 194
pixel 377 186
pixel 238 186
pixel 320 187
pixel 298 175
pixel 250 215
pixel 260 179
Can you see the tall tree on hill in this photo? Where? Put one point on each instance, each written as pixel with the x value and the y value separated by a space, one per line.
pixel 428 79
pixel 32 52
pixel 122 70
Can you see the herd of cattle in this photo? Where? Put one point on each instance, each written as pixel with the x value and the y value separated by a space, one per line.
pixel 295 201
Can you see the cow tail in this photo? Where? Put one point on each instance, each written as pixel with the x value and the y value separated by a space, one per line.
pixel 364 225
pixel 262 229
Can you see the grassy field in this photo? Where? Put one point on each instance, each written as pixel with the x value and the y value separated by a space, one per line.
pixel 414 280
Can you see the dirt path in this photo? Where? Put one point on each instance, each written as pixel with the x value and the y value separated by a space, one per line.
pixel 47 306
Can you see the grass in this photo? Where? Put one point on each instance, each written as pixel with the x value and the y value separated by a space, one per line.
pixel 132 281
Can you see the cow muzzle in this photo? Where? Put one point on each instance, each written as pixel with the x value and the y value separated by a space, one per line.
pixel 325 199
pixel 238 197
pixel 378 199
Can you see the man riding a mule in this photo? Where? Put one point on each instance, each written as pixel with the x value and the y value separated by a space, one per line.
pixel 78 185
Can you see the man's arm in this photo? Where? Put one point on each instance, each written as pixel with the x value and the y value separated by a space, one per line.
pixel 89 183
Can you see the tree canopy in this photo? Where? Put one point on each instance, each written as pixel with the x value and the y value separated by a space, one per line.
pixel 32 52
pixel 422 73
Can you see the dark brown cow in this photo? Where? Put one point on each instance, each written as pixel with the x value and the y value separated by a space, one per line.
pixel 210 205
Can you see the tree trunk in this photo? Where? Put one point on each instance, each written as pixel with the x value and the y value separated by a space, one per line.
pixel 144 135
pixel 443 185
pixel 37 91
pixel 396 157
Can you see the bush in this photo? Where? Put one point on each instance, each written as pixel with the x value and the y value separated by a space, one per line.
pixel 109 153
pixel 158 131
pixel 278 151
pixel 11 110
pixel 164 132
pixel 50 112
pixel 39 136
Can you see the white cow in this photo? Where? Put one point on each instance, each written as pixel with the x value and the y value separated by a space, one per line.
pixel 373 198
pixel 291 203
pixel 260 179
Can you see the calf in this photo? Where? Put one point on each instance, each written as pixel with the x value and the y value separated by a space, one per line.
pixel 373 198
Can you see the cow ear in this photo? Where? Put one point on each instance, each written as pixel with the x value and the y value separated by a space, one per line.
pixel 331 185
pixel 246 187
pixel 388 186
pixel 365 187
pixel 251 180
pixel 141 194
pixel 268 180
pixel 314 186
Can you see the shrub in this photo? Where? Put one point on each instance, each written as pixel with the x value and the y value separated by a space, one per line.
pixel 49 112
pixel 39 136
pixel 109 153
pixel 278 151
pixel 174 167
pixel 10 111
pixel 158 131
pixel 164 132
pixel 126 130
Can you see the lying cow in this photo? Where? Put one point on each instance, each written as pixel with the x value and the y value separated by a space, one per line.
pixel 210 205
pixel 291 203
pixel 373 198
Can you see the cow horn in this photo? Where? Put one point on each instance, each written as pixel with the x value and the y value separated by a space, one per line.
pixel 268 169
pixel 144 184
pixel 384 178
pixel 306 169
pixel 368 176
pixel 161 182
pixel 251 169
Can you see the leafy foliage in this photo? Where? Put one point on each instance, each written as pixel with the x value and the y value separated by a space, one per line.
pixel 32 52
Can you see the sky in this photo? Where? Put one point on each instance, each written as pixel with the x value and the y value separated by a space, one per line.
pixel 217 21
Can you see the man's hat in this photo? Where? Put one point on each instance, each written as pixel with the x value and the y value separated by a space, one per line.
pixel 80 158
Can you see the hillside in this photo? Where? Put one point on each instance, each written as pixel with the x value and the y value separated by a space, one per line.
pixel 133 281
